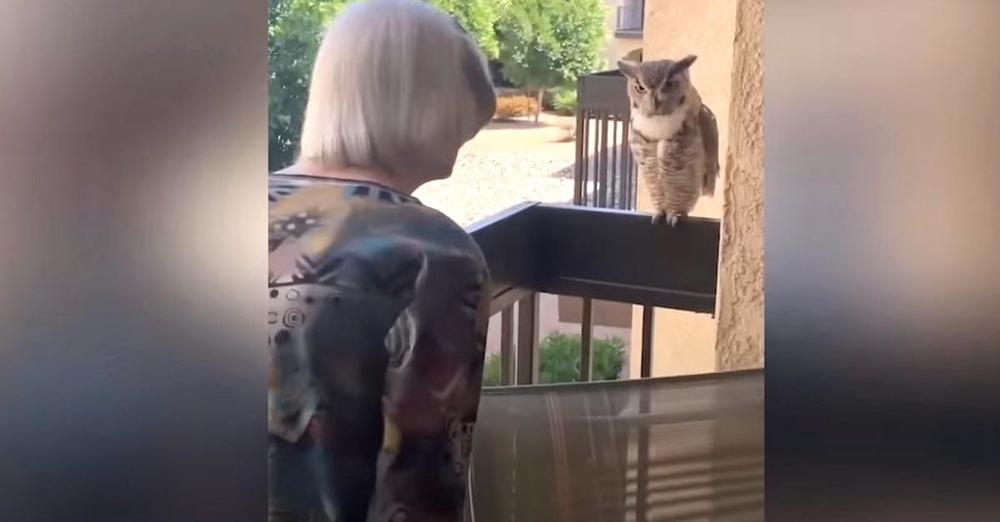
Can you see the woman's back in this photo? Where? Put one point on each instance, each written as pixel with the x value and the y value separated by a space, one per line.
pixel 377 321
pixel 378 304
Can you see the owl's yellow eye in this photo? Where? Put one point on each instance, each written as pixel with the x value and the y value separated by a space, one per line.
pixel 639 88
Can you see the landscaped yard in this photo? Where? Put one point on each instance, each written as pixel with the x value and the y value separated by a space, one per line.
pixel 505 164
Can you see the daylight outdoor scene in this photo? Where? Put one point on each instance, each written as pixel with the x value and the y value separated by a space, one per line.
pixel 623 376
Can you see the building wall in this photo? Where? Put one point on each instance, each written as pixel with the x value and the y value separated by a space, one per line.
pixel 685 342
pixel 741 268
pixel 615 48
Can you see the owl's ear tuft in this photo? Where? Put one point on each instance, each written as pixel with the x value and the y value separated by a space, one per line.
pixel 683 64
pixel 627 68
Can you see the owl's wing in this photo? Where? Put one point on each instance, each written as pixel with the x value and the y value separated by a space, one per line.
pixel 710 140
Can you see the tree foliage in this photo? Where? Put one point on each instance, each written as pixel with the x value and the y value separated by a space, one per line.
pixel 479 18
pixel 549 43
pixel 541 44
pixel 295 28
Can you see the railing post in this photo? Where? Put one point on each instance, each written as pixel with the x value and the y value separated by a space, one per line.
pixel 586 340
pixel 582 144
pixel 527 339
pixel 615 172
pixel 507 346
pixel 628 201
pixel 646 363
pixel 596 151
pixel 580 189
pixel 602 155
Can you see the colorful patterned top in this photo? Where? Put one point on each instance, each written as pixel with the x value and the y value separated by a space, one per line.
pixel 377 329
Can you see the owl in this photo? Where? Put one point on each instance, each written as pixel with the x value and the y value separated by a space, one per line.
pixel 674 138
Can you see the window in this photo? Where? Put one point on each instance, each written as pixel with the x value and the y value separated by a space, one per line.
pixel 630 15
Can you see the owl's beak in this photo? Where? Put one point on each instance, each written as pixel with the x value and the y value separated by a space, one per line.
pixel 657 104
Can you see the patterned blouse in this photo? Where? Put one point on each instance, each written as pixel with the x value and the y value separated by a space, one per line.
pixel 377 329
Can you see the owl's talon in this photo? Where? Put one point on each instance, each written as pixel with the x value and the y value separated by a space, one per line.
pixel 659 218
pixel 673 220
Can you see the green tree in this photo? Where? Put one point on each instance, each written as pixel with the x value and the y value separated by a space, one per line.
pixel 295 28
pixel 560 360
pixel 550 43
pixel 479 18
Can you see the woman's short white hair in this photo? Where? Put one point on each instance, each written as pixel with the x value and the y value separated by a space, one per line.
pixel 398 85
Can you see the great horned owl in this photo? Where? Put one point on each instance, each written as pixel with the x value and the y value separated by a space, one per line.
pixel 673 136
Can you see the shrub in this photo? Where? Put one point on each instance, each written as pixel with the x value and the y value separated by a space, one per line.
pixel 560 360
pixel 564 102
pixel 514 106
pixel 491 373
pixel 544 44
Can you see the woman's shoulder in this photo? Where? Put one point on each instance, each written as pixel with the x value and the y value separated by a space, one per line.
pixel 324 223
pixel 438 225
pixel 444 246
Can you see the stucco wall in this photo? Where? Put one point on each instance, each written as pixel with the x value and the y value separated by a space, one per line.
pixel 684 343
pixel 741 273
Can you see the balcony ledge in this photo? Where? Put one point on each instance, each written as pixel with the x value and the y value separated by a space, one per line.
pixel 605 254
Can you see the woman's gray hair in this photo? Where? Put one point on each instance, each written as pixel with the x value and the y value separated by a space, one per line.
pixel 398 86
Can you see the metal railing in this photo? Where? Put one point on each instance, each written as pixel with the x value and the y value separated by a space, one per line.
pixel 687 448
pixel 605 254
pixel 605 173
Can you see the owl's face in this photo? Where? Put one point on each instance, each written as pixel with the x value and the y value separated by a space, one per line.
pixel 658 87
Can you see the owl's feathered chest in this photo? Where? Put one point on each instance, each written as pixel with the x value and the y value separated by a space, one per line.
pixel 674 139
pixel 657 127
pixel 668 148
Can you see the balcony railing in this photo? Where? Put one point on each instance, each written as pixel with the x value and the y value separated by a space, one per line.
pixel 591 253
pixel 605 175
pixel 688 448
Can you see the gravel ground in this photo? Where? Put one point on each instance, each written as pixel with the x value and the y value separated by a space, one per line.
pixel 484 184
pixel 503 166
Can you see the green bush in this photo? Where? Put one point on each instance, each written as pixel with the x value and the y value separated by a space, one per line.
pixel 560 360
pixel 491 373
pixel 564 101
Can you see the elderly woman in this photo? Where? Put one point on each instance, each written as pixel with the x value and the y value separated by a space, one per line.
pixel 377 319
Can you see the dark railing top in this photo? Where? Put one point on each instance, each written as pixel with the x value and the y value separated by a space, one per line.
pixel 603 91
pixel 600 253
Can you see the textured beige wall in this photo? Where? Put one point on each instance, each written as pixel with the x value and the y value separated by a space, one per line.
pixel 741 271
pixel 684 342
